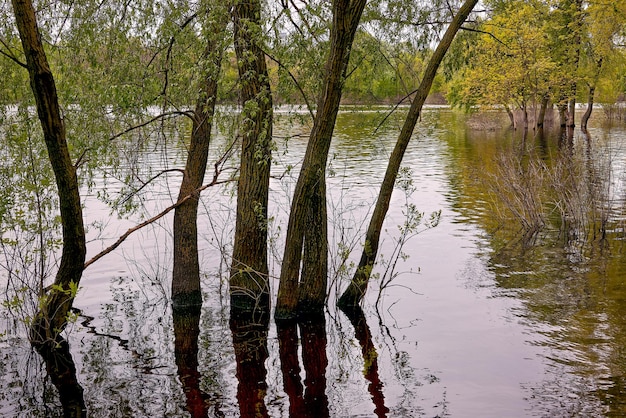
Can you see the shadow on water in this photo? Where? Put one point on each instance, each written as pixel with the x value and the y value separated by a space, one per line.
pixel 62 372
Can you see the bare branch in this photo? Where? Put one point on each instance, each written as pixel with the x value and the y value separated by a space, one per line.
pixel 394 109
pixel 484 32
pixel 295 81
pixel 10 54
pixel 156 176
pixel 158 117
pixel 147 222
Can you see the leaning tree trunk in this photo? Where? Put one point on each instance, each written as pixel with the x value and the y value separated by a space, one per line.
pixel 307 228
pixel 249 282
pixel 54 307
pixel 358 285
pixel 186 269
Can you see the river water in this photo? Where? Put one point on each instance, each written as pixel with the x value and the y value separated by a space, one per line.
pixel 482 318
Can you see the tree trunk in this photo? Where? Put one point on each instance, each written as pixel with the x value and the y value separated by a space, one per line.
pixel 524 108
pixel 53 310
pixel 307 228
pixel 576 28
pixel 186 269
pixel 590 97
pixel 562 115
pixel 571 110
pixel 249 282
pixel 542 111
pixel 511 116
pixel 585 118
pixel 358 285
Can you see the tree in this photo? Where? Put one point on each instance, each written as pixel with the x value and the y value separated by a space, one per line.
pixel 186 269
pixel 307 233
pixel 566 29
pixel 249 281
pixel 358 285
pixel 56 303
pixel 509 64
pixel 599 50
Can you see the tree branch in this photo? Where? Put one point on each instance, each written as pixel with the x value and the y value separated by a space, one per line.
pixel 147 222
pixel 141 125
pixel 485 33
pixel 394 109
pixel 295 81
pixel 10 55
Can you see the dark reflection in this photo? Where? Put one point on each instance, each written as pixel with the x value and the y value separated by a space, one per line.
pixel 62 371
pixel 186 332
pixel 250 344
pixel 315 361
pixel 290 366
pixel 314 402
pixel 370 359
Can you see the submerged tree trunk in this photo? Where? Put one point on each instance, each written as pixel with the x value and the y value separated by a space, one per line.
pixel 541 118
pixel 358 285
pixel 585 118
pixel 186 269
pixel 54 307
pixel 249 282
pixel 511 116
pixel 590 96
pixel 562 115
pixel 575 28
pixel 307 228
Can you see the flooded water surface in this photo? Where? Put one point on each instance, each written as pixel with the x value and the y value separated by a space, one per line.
pixel 513 305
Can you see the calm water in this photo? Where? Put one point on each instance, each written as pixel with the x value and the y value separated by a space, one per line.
pixel 478 322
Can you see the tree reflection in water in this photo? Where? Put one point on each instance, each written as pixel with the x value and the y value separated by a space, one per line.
pixel 370 358
pixel 250 344
pixel 62 371
pixel 186 332
pixel 313 402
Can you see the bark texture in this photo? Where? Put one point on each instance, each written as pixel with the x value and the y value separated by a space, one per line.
pixel 358 285
pixel 249 283
pixel 51 318
pixel 307 234
pixel 186 270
